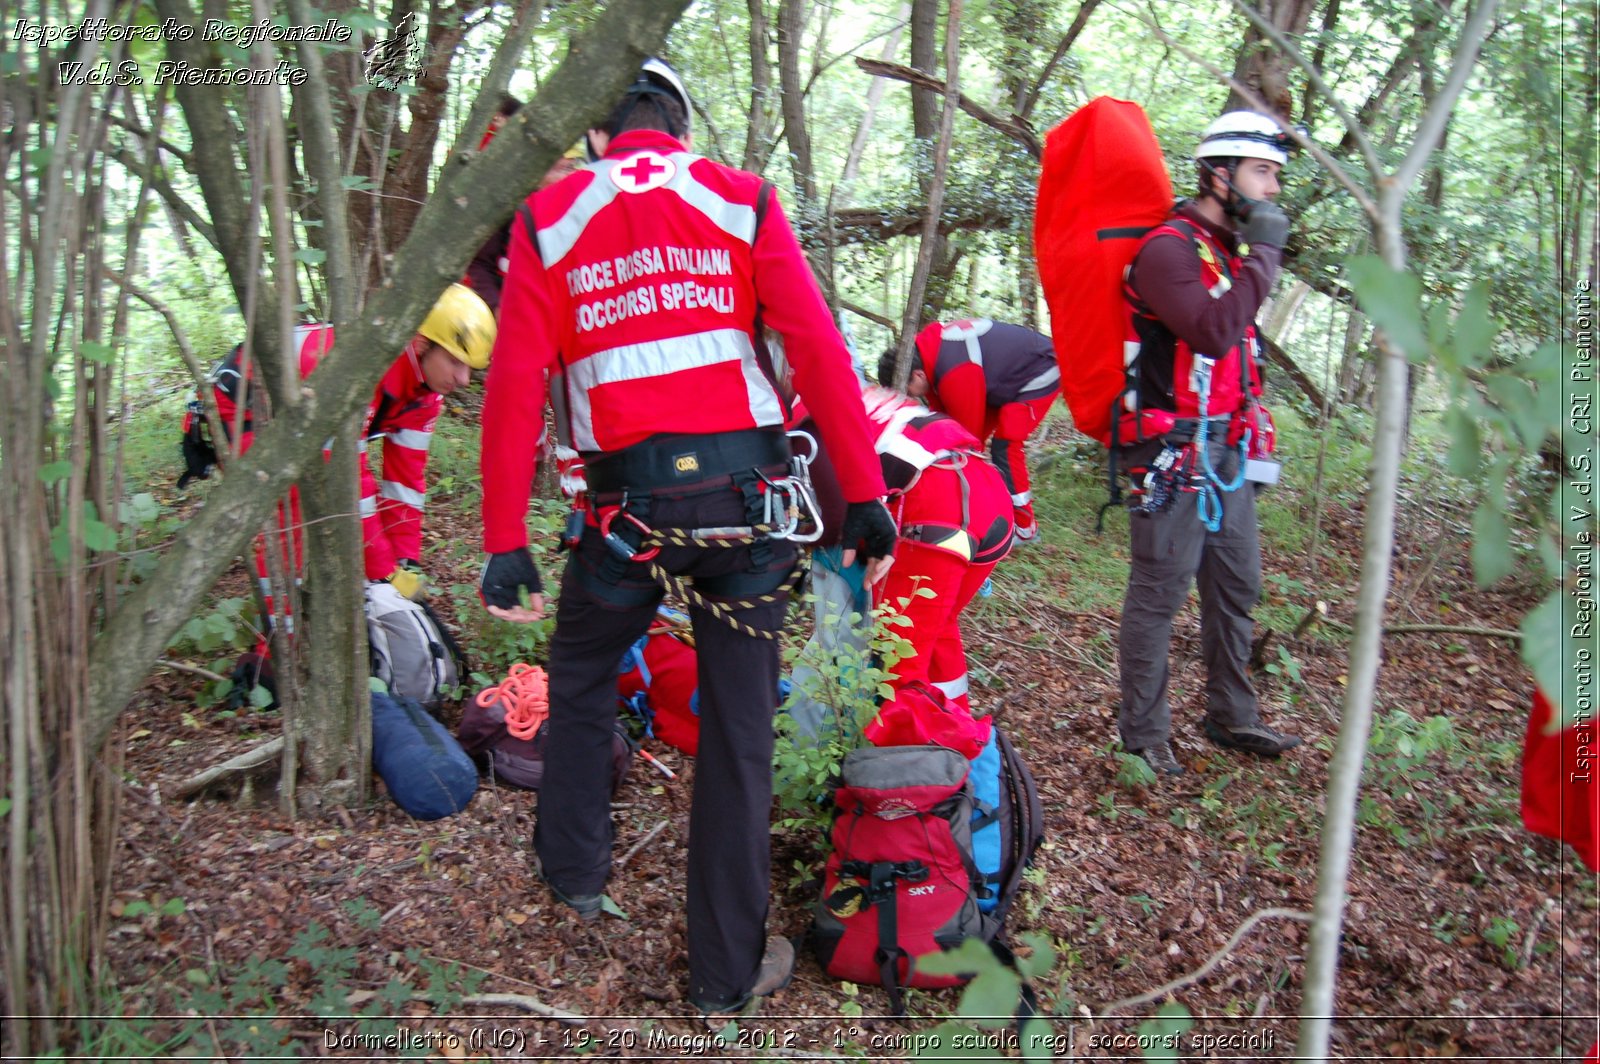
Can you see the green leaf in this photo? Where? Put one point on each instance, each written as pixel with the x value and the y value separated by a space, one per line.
pixel 173 907
pixel 1041 1041
pixel 1393 300
pixel 1521 404
pixel 1492 559
pixel 951 1041
pixel 136 908
pixel 55 471
pixel 992 998
pixel 260 697
pixel 97 352
pixel 1161 1035
pixel 99 536
pixel 141 509
pixel 972 956
pixel 1465 457
pixel 611 907
pixel 1545 649
pixel 5 806
pixel 40 158
pixel 356 183
pixel 1040 958
pixel 197 976
pixel 311 256
pixel 1475 330
pixel 375 684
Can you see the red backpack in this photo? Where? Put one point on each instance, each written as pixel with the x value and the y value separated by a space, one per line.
pixel 659 680
pixel 1103 185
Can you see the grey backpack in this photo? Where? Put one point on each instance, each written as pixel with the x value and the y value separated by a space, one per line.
pixel 411 652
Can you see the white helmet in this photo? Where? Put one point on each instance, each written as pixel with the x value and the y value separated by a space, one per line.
pixel 1244 135
pixel 657 78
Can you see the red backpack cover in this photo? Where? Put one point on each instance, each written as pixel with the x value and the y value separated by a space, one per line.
pixel 658 678
pixel 1102 186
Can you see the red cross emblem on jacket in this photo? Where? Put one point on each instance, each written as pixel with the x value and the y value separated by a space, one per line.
pixel 643 172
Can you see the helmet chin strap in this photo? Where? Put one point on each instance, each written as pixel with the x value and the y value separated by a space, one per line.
pixel 1236 204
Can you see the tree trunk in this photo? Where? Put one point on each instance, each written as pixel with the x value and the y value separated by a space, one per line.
pixel 335 739
pixel 1260 66
pixel 453 224
pixel 1377 551
pixel 757 147
pixel 875 90
pixel 791 28
pixel 941 161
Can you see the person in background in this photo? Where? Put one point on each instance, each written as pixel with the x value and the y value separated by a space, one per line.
pixel 454 339
pixel 1193 291
pixel 998 381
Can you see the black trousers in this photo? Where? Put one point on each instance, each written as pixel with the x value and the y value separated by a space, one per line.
pixel 600 613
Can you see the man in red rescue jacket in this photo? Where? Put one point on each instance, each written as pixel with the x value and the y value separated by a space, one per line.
pixel 642 277
pixel 998 381
pixel 1193 292
pixel 453 340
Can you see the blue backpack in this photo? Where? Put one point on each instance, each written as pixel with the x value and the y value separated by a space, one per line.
pixel 1007 821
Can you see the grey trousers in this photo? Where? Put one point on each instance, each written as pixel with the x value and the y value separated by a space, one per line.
pixel 1171 550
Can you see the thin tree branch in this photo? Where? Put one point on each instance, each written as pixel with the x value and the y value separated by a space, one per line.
pixel 1015 128
pixel 498 78
pixel 201 378
pixel 1078 23
pixel 1210 965
pixel 179 666
pixel 1364 145
pixel 941 168
pixel 1360 194
pixel 860 311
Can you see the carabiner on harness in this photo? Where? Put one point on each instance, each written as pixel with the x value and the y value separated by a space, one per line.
pixel 614 541
pixel 790 502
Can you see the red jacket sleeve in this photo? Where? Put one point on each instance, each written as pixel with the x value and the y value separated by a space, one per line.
pixel 513 404
pixel 792 305
pixel 964 395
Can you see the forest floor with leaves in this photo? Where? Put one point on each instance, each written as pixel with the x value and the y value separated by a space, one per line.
pixel 1464 935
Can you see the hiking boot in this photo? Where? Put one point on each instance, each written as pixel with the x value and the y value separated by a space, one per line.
pixel 777 968
pixel 1160 758
pixel 586 906
pixel 1257 738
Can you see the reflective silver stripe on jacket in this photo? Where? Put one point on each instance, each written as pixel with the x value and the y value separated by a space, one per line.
pixel 413 498
pixel 557 240
pixel 369 506
pixel 415 439
pixel 893 441
pixel 1049 380
pixel 658 358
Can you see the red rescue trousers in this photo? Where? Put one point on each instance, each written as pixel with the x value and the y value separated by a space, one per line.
pixel 1015 422
pixel 942 552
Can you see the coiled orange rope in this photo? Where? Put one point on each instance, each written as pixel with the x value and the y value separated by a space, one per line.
pixel 525 695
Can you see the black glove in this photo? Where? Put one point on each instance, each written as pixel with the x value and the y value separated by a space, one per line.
pixel 504 575
pixel 868 524
pixel 1265 224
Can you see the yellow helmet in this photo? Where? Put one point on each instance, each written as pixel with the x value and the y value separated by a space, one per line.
pixel 462 323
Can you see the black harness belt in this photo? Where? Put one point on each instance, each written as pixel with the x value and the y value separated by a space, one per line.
pixel 668 461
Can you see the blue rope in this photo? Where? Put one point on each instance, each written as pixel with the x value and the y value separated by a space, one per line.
pixel 1208 507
